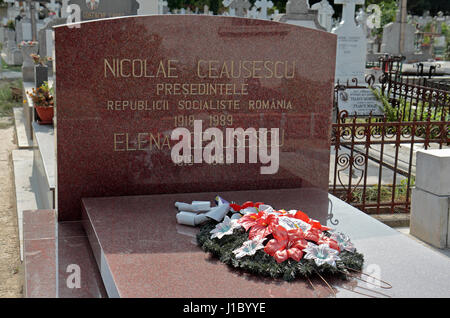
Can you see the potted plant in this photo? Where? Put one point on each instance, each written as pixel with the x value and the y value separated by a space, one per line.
pixel 10 30
pixel 11 25
pixel 42 98
pixel 40 69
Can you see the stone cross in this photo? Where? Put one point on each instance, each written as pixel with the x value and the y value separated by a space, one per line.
pixel 325 12
pixel 241 7
pixel 65 5
pixel 263 5
pixel 274 14
pixel 53 6
pixel 253 13
pixel 161 5
pixel 349 9
pixel 227 4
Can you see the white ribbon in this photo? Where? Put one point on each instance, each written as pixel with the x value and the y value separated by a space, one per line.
pixel 189 213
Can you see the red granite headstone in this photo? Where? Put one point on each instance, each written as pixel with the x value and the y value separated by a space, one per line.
pixel 124 85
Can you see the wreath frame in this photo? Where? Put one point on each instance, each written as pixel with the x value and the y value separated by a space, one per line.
pixel 262 264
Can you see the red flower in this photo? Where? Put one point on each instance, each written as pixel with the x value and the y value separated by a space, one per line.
pixel 286 244
pixel 330 242
pixel 315 224
pixel 248 204
pixel 260 224
pixel 313 235
pixel 235 207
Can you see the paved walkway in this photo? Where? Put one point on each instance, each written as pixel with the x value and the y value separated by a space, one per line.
pixel 10 75
pixel 11 272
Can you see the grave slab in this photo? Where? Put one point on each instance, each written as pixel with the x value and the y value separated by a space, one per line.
pixel 44 165
pixel 23 141
pixel 142 252
pixel 24 187
pixel 50 249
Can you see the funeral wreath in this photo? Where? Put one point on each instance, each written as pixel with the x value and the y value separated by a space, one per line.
pixel 258 239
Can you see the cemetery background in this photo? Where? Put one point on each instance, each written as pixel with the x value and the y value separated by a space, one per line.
pixel 418 75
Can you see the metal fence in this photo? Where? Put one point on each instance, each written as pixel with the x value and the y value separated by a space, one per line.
pixel 415 101
pixel 378 144
pixel 373 167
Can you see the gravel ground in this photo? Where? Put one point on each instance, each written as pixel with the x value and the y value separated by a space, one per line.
pixel 11 269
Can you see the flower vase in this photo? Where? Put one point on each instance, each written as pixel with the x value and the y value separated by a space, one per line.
pixel 45 115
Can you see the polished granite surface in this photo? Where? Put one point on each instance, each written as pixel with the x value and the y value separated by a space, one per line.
pixel 53 254
pixel 143 252
pixel 124 85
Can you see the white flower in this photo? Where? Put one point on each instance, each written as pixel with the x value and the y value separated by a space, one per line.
pixel 224 228
pixel 266 208
pixel 249 210
pixel 343 241
pixel 249 248
pixel 321 254
pixel 236 216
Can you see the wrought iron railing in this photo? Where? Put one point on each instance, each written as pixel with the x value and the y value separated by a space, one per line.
pixel 376 142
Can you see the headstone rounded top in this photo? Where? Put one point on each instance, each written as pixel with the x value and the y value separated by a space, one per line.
pixel 139 80
pixel 297 6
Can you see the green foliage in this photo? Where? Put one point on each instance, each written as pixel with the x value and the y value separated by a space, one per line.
pixel 388 14
pixel 7 101
pixel 389 111
pixel 262 264
pixel 371 194
pixel 446 32
pixel 402 188
pixel 11 25
pixel 42 96
pixel 405 108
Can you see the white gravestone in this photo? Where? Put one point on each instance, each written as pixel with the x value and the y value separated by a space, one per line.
pixel 391 38
pixel 430 205
pixel 253 13
pixel 161 6
pixel 299 13
pixel 148 7
pixel 263 6
pixel 240 7
pixel 361 101
pixel 64 7
pixel 351 45
pixel 325 13
pixel 231 11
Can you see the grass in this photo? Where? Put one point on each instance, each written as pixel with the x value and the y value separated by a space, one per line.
pixel 385 192
pixel 6 101
pixel 10 68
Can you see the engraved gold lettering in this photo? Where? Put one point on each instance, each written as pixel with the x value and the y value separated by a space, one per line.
pixel 116 141
pixel 140 141
pixel 111 68
pixel 121 68
pixel 128 144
